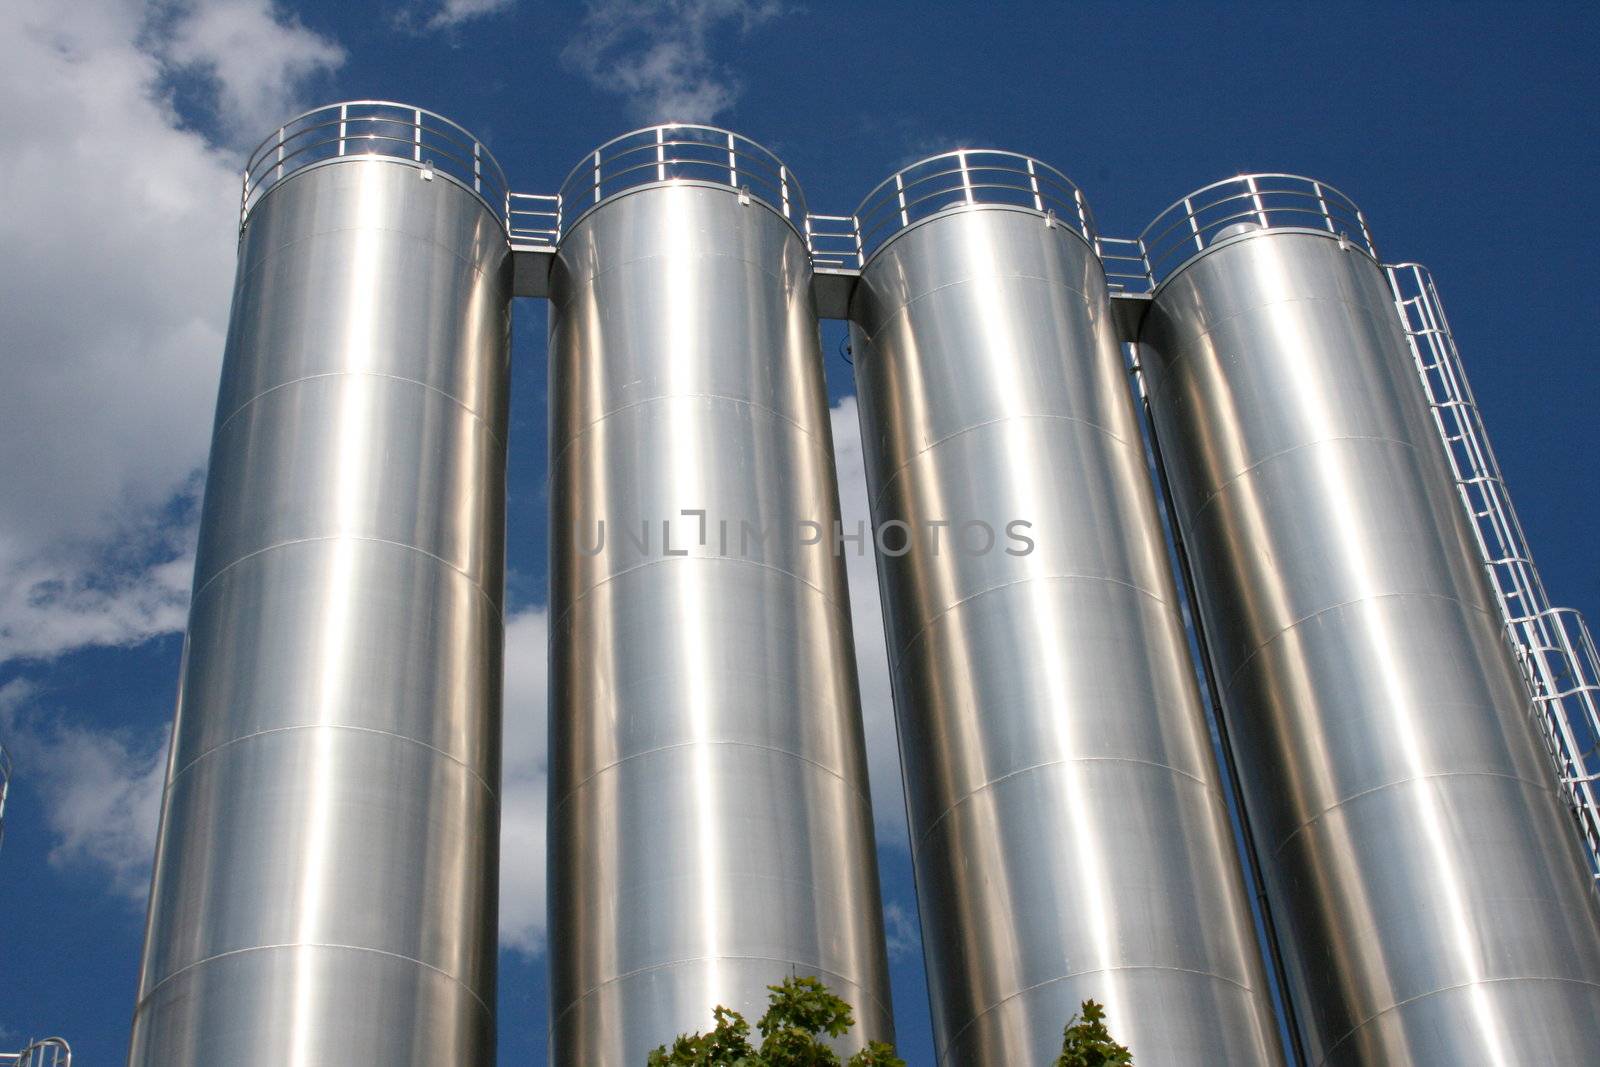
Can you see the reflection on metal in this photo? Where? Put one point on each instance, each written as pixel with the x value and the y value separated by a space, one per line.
pixel 1069 834
pixel 325 874
pixel 1553 645
pixel 1432 900
pixel 710 829
pixel 5 789
pixel 46 1052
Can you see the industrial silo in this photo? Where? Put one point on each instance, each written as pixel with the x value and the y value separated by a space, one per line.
pixel 325 876
pixel 1069 834
pixel 710 829
pixel 1426 882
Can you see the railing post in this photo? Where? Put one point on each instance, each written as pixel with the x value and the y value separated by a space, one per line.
pixel 344 116
pixel 966 176
pixel 416 137
pixel 1255 198
pixel 900 193
pixel 661 154
pixel 1033 183
pixel 1322 203
pixel 597 175
pixel 278 173
pixel 733 164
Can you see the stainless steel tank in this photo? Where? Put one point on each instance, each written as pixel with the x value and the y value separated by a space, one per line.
pixel 1425 880
pixel 325 877
pixel 710 830
pixel 1069 834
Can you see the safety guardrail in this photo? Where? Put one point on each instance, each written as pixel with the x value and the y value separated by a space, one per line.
pixel 834 241
pixel 1553 645
pixel 964 177
pixel 682 151
pixel 46 1052
pixel 1251 201
pixel 359 128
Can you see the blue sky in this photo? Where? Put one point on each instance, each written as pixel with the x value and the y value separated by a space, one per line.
pixel 1466 132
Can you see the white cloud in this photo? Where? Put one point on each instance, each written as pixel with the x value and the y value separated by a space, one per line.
pixel 101 789
pixel 866 618
pixel 658 54
pixel 900 930
pixel 454 12
pixel 256 57
pixel 119 228
pixel 524 783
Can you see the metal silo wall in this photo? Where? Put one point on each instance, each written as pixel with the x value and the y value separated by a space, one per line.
pixel 710 829
pixel 1069 834
pixel 1424 877
pixel 325 876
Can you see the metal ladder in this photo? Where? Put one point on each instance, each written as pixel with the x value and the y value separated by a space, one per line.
pixel 1553 645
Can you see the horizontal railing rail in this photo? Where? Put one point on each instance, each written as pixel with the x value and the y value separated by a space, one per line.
pixel 1237 205
pixel 534 219
pixel 682 151
pixel 1553 645
pixel 834 241
pixel 1127 267
pixel 964 177
pixel 382 128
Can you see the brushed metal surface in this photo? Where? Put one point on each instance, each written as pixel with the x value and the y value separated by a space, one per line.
pixel 1425 879
pixel 710 829
pixel 1070 837
pixel 325 877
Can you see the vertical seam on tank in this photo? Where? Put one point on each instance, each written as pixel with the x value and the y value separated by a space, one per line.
pixel 1446 989
pixel 1251 991
pixel 482 591
pixel 1244 472
pixel 555 460
pixel 999 420
pixel 897 657
pixel 721 743
pixel 922 838
pixel 479 417
pixel 1546 789
pixel 1233 676
pixel 843 608
pixel 179 773
pixel 139 1007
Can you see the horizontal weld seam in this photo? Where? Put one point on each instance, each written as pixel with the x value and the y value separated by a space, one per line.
pixel 179 773
pixel 1245 472
pixel 922 838
pixel 271 253
pixel 791 285
pixel 592 990
pixel 825 447
pixel 572 792
pixel 1051 284
pixel 483 592
pixel 1189 346
pixel 997 1005
pixel 919 453
pixel 1233 676
pixel 476 416
pixel 839 607
pixel 898 658
pixel 145 1000
pixel 1448 989
pixel 1538 787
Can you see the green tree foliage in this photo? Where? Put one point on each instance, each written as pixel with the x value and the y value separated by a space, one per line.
pixel 800 1012
pixel 1087 1043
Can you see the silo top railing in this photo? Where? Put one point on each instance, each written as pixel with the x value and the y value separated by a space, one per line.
pixel 360 128
pixel 680 152
pixel 963 177
pixel 46 1052
pixel 1250 201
